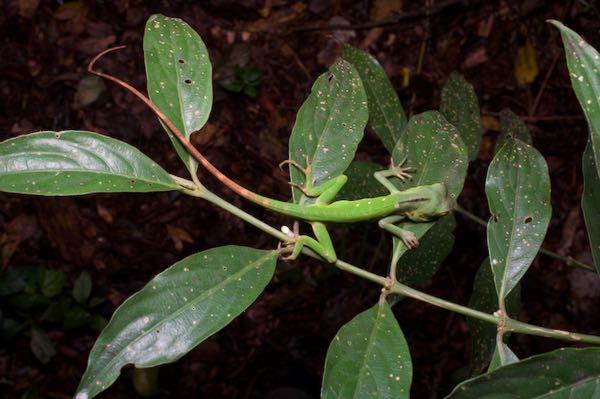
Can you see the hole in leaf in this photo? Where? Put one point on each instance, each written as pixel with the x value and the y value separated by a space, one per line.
pixel 527 219
pixel 495 218
pixel 157 331
pixel 188 81
pixel 330 78
pixel 181 61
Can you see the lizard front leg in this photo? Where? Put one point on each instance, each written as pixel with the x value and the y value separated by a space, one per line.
pixel 408 237
pixel 399 171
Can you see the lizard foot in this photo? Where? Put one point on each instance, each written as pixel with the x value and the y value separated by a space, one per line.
pixel 289 247
pixel 294 164
pixel 409 239
pixel 401 172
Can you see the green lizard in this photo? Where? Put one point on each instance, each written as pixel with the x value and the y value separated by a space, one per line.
pixel 418 204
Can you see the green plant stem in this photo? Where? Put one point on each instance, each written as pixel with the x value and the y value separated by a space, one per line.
pixel 397 288
pixel 567 259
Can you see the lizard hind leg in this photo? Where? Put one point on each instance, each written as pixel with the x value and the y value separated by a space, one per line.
pixel 322 245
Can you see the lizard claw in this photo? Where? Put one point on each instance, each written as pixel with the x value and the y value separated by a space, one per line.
pixel 294 164
pixel 400 172
pixel 410 239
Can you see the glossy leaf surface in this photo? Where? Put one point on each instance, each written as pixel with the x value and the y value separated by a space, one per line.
pixel 584 66
pixel 368 358
pixel 386 115
pixel 361 183
pixel 329 125
pixel 564 373
pixel 460 107
pixel 433 146
pixel 77 162
pixel 590 202
pixel 177 310
pixel 518 192
pixel 179 77
pixel 418 265
pixel 484 298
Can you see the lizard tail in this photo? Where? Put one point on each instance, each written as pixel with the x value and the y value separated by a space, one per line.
pixel 249 195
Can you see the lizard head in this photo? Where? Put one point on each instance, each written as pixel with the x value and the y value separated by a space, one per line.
pixel 439 203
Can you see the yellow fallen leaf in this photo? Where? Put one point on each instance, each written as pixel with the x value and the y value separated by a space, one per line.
pixel 526 68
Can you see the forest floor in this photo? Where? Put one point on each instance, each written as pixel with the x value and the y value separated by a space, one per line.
pixel 277 348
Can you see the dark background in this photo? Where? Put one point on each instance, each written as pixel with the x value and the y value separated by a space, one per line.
pixel 278 346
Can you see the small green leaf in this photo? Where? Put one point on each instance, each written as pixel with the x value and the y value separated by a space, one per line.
pixel 483 298
pixel 179 77
pixel 82 287
pixel 564 373
pixel 11 282
pixel 329 126
pixel 418 265
pixel 41 346
pixel 177 310
pixel 518 192
pixel 461 107
pixel 433 146
pixel 77 162
pixel 512 127
pixel 361 183
pixel 386 115
pixel 51 282
pixel 496 361
pixel 76 317
pixel 57 309
pixel 368 358
pixel 584 66
pixel 590 202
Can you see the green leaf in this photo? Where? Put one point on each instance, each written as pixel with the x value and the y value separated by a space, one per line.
pixel 368 358
pixel 518 192
pixel 179 77
pixel 483 298
pixel 496 361
pixel 564 373
pixel 418 265
pixel 176 310
pixel 433 146
pixel 76 162
pixel 51 282
pixel 590 202
pixel 329 126
pixel 82 287
pixel 41 346
pixel 460 106
pixel 584 63
pixel 76 317
pixel 512 127
pixel 386 115
pixel 57 309
pixel 11 282
pixel 361 183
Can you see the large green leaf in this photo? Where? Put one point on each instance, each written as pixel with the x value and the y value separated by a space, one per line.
pixel 418 265
pixel 433 146
pixel 584 66
pixel 386 115
pixel 590 202
pixel 177 310
pixel 76 162
pixel 518 192
pixel 483 298
pixel 361 183
pixel 329 125
pixel 460 106
pixel 179 77
pixel 564 373
pixel 368 358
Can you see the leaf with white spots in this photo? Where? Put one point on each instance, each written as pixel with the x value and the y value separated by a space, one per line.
pixel 518 192
pixel 563 373
pixel 179 77
pixel 386 115
pixel 590 202
pixel 75 162
pixel 418 265
pixel 433 146
pixel 584 69
pixel 329 126
pixel 176 310
pixel 511 126
pixel 361 183
pixel 368 358
pixel 483 298
pixel 461 107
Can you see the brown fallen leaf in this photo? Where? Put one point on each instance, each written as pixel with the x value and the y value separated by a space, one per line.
pixel 526 68
pixel 179 236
